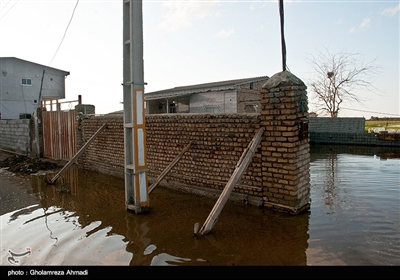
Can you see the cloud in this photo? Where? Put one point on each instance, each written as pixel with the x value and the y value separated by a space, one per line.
pixel 181 14
pixel 225 33
pixel 391 11
pixel 364 25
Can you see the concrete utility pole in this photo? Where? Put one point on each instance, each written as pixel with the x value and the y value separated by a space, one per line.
pixel 136 189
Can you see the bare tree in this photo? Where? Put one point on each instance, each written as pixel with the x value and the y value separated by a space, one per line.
pixel 336 78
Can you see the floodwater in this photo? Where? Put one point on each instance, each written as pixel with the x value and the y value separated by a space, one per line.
pixel 354 220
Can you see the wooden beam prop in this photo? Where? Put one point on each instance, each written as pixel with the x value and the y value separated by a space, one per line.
pixel 78 154
pixel 241 166
pixel 169 167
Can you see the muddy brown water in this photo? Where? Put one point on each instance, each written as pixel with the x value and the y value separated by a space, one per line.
pixel 353 220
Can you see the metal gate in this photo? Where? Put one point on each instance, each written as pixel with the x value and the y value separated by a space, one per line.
pixel 58 134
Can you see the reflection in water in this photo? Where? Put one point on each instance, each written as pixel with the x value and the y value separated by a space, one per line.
pixel 356 205
pixel 166 259
pixel 91 226
pixel 353 220
pixel 331 180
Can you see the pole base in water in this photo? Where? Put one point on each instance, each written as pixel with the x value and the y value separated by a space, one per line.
pixel 137 210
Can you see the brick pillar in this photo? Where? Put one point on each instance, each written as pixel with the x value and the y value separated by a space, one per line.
pixel 285 148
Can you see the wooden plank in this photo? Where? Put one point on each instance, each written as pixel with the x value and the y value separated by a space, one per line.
pixel 58 134
pixel 169 167
pixel 78 154
pixel 241 166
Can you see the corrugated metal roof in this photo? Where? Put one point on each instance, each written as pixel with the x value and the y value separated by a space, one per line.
pixel 214 86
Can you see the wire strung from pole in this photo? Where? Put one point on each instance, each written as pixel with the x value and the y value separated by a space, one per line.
pixel 65 32
pixel 1 17
pixel 282 36
pixel 381 113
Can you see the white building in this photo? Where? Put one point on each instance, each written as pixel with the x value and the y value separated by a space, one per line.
pixel 233 96
pixel 24 84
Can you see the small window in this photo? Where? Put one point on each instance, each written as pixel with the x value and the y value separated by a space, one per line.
pixel 172 107
pixel 26 82
pixel 250 108
pixel 251 85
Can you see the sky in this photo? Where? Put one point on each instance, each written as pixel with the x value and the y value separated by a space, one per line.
pixel 192 42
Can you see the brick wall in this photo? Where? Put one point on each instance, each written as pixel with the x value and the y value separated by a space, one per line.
pixel 285 149
pixel 218 142
pixel 15 135
pixel 277 176
pixel 106 153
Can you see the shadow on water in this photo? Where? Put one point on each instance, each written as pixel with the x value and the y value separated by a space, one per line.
pixel 82 220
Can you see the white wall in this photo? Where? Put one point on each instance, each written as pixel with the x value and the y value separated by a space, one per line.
pixel 15 98
pixel 214 102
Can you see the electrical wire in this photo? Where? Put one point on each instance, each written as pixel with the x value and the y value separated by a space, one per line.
pixel 65 33
pixel 8 9
pixel 370 112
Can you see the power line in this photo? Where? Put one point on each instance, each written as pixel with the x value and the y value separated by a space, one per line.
pixel 371 112
pixel 5 5
pixel 8 9
pixel 65 33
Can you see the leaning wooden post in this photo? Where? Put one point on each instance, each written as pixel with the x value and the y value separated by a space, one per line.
pixel 169 167
pixel 77 155
pixel 241 166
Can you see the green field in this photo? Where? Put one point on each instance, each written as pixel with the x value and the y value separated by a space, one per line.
pixel 375 125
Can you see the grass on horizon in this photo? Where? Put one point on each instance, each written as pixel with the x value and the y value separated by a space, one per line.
pixel 371 125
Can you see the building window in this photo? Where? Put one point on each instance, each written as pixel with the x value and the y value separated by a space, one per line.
pixel 26 82
pixel 172 107
pixel 250 108
pixel 251 85
pixel 161 106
